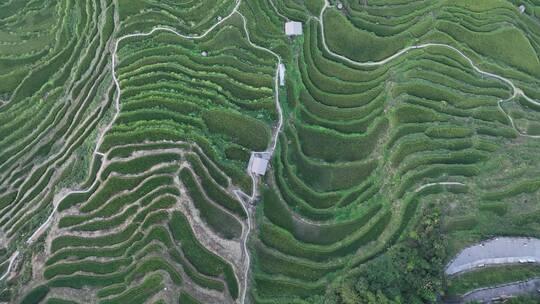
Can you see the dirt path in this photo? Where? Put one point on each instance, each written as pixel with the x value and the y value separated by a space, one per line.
pixel 438 184
pixel 11 262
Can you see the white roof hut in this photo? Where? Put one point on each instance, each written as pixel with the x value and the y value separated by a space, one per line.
pixel 293 28
pixel 522 9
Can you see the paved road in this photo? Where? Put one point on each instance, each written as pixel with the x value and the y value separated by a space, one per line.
pixel 487 295
pixel 502 250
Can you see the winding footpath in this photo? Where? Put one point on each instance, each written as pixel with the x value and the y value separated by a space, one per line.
pixel 10 265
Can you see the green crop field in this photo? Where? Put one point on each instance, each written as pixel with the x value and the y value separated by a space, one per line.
pixel 397 133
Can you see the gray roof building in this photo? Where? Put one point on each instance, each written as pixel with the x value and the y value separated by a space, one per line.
pixel 258 165
pixel 293 28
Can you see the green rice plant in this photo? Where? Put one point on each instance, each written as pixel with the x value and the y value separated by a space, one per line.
pixel 322 143
pixel 331 176
pixel 79 281
pixel 220 221
pixel 83 252
pixel 124 152
pixel 153 264
pixel 296 203
pixel 448 131
pixel 341 100
pixel 36 295
pixel 528 186
pixel 498 208
pixel 366 46
pixel 237 152
pixel 321 234
pixel 463 157
pixel 500 45
pixel 434 171
pixel 241 129
pixel 333 84
pixel 158 114
pixel 86 266
pixel 329 66
pixel 157 217
pixel 214 192
pixel 408 113
pixel 283 241
pixel 111 207
pixel 140 135
pixel 111 290
pixel 350 127
pixel 151 285
pixel 213 170
pixel 361 195
pixel 279 287
pixel 116 184
pixel 186 298
pixel 317 199
pixel 197 277
pixel 293 200
pixel 490 114
pixel 162 100
pixel 205 262
pixel 7 198
pixel 237 175
pixel 463 223
pixel 504 132
pixel 156 233
pixel 140 164
pixel 279 264
pixel 100 241
pixel 34 81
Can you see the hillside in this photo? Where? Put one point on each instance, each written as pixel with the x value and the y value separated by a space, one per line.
pixel 397 134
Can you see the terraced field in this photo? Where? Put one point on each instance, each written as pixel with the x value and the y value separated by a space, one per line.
pixel 404 132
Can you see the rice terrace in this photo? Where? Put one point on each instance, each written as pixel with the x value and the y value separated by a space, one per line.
pixel 269 151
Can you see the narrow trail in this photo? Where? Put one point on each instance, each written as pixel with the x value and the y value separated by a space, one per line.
pixel 270 151
pixel 438 184
pixel 11 261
